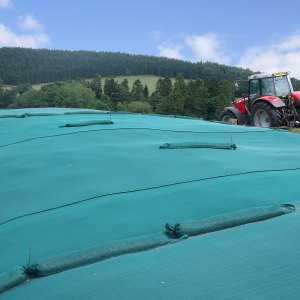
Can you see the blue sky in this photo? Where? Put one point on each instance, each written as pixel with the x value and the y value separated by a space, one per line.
pixel 258 34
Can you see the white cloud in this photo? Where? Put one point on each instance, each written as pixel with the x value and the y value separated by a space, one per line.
pixel 29 23
pixel 156 35
pixel 10 39
pixel 282 56
pixel 6 3
pixel 208 47
pixel 169 51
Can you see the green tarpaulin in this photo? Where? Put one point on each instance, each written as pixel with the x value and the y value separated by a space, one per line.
pixel 67 190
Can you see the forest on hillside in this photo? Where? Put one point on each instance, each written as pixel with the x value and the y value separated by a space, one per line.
pixel 25 65
pixel 209 89
pixel 198 98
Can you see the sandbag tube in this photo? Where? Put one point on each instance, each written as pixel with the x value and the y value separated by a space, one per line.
pixel 186 145
pixel 101 252
pixel 221 222
pixel 88 123
pixel 45 114
pixel 12 278
pixel 26 115
pixel 108 250
pixel 42 114
pixel 83 257
pixel 88 112
pixel 13 116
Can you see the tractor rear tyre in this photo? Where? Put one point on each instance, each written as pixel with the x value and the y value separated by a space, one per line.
pixel 298 111
pixel 228 116
pixel 263 114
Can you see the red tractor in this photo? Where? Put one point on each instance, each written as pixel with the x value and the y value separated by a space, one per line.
pixel 269 102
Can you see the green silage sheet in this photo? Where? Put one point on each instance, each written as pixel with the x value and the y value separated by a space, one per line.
pixel 258 261
pixel 66 189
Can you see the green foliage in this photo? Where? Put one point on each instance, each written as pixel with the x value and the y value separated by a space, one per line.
pixel 128 81
pixel 192 98
pixel 24 65
pixel 139 107
pixel 7 97
pixel 178 96
pixel 30 98
pixel 146 92
pixel 96 86
pixel 163 107
pixel 296 84
pixel 197 98
pixel 138 91
pixel 121 107
pixel 164 87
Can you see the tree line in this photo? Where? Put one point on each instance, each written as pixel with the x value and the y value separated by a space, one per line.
pixel 25 65
pixel 198 98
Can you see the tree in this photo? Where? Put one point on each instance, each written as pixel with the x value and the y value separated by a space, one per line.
pixel 96 86
pixel 24 65
pixel 125 84
pixel 121 94
pixel 8 97
pixel 30 98
pixel 225 96
pixel 75 94
pixel 164 86
pixel 178 97
pixel 212 85
pixel 110 86
pixel 146 92
pixel 197 99
pixel 137 91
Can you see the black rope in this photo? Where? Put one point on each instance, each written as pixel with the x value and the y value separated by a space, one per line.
pixel 149 188
pixel 115 129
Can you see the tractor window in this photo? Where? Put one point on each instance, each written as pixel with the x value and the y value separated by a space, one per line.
pixel 254 90
pixel 267 86
pixel 282 86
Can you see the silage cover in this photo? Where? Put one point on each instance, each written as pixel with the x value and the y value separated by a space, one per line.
pixel 105 181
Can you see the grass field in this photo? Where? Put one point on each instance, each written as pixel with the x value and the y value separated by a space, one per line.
pixel 145 79
pixel 38 85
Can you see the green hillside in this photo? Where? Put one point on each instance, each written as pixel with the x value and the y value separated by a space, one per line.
pixel 23 65
pixel 149 80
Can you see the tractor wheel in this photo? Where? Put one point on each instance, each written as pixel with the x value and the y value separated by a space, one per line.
pixel 298 111
pixel 264 114
pixel 228 117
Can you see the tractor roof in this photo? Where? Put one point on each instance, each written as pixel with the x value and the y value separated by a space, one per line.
pixel 265 75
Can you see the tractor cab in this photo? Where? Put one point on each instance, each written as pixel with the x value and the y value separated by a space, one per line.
pixel 277 84
pixel 268 101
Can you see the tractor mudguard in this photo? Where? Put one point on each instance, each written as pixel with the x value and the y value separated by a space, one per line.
pixel 240 117
pixel 296 102
pixel 274 101
pixel 295 96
